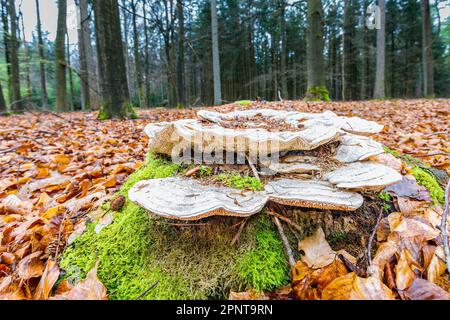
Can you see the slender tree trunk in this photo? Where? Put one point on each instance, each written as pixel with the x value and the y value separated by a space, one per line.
pixel 215 54
pixel 26 51
pixel 69 70
pixel 365 58
pixel 84 78
pixel 2 101
pixel 6 44
pixel 44 94
pixel 60 56
pixel 180 63
pixel 427 51
pixel 15 95
pixel 146 84
pixel 128 62
pixel 284 86
pixel 379 92
pixel 316 75
pixel 137 54
pixel 349 58
pixel 115 98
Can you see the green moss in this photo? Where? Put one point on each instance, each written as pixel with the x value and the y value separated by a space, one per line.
pixel 428 181
pixel 317 94
pixel 237 181
pixel 126 112
pixel 138 249
pixel 244 103
pixel 406 158
pixel 337 237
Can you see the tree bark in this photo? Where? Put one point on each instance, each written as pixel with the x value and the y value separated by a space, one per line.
pixel 60 58
pixel 6 44
pixel 85 91
pixel 115 98
pixel 380 91
pixel 71 105
pixel 26 54
pixel 15 95
pixel 44 94
pixel 427 51
pixel 349 60
pixel 215 54
pixel 137 54
pixel 283 67
pixel 316 76
pixel 180 63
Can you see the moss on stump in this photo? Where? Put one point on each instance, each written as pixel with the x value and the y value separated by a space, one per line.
pixel 138 249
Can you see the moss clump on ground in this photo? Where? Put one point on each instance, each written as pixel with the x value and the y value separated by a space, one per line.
pixel 237 181
pixel 428 181
pixel 317 94
pixel 137 250
pixel 244 103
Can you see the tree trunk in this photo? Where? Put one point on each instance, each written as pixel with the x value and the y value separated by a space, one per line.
pixel 26 54
pixel 44 94
pixel 316 76
pixel 427 51
pixel 60 58
pixel 180 64
pixel 365 57
pixel 69 70
pixel 84 78
pixel 146 84
pixel 115 98
pixel 6 43
pixel 3 109
pixel 349 60
pixel 15 95
pixel 215 54
pixel 284 86
pixel 379 92
pixel 128 62
pixel 137 54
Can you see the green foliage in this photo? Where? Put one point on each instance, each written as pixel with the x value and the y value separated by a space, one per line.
pixel 237 181
pixel 138 249
pixel 205 171
pixel 428 181
pixel 317 94
pixel 244 103
pixel 406 158
pixel 386 199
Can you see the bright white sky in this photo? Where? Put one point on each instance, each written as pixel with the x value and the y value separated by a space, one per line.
pixel 49 16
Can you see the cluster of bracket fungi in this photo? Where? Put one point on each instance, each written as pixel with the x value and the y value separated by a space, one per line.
pixel 323 161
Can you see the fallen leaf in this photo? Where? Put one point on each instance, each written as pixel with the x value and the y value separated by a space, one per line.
pixel 48 280
pixel 88 289
pixel 352 287
pixel 318 253
pixel 404 274
pixel 30 266
pixel 422 289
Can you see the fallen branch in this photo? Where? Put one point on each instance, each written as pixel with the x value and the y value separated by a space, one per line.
pixel 444 226
pixel 143 294
pixel 286 219
pixel 285 242
pixel 252 166
pixel 372 237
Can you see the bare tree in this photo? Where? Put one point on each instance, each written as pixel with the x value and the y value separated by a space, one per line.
pixel 380 91
pixel 60 57
pixel 44 94
pixel 15 95
pixel 427 50
pixel 215 53
pixel 115 97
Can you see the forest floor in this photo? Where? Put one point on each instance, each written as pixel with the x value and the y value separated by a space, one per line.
pixel 54 168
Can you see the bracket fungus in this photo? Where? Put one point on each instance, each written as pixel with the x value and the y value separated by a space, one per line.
pixel 312 160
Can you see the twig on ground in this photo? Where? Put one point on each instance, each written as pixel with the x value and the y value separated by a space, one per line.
pixel 286 219
pixel 285 241
pixel 8 150
pixel 252 166
pixel 238 234
pixel 432 155
pixel 372 237
pixel 61 226
pixel 444 226
pixel 143 294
